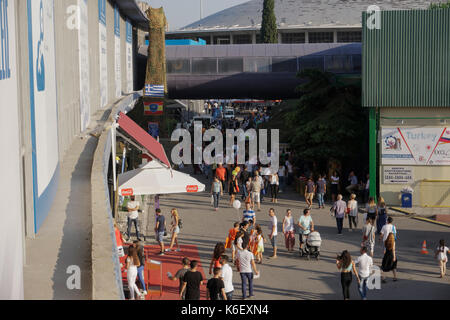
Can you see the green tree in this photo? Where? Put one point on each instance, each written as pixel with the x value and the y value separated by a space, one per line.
pixel 269 33
pixel 440 5
pixel 329 121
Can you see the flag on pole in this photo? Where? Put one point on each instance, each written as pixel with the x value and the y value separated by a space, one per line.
pixel 155 91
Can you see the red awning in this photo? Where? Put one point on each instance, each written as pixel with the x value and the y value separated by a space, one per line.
pixel 155 149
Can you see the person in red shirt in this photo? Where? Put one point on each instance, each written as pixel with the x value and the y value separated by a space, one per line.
pixel 231 237
pixel 216 260
pixel 119 241
pixel 221 173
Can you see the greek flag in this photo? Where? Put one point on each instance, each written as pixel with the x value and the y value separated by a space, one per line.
pixel 156 91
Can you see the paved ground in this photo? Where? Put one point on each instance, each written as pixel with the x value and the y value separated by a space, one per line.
pixel 289 276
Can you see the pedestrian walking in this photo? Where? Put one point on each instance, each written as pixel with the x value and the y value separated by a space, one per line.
pixel 227 276
pixel 174 229
pixel 274 185
pixel 216 192
pixel 365 264
pixel 389 262
pixel 288 230
pixel 372 210
pixel 245 174
pixel 246 267
pixel 248 188
pixel 221 174
pixel 133 217
pixel 387 229
pixel 273 232
pixel 191 283
pixel 249 214
pixel 368 238
pixel 260 240
pixel 321 188
pixel 346 265
pixel 339 208
pixel 160 229
pixel 216 287
pixel 140 270
pixel 305 226
pixel 334 186
pixel 381 214
pixel 229 243
pixel 256 186
pixel 180 275
pixel 233 188
pixel 219 250
pixel 352 212
pixel 441 255
pixel 310 190
pixel 282 178
pixel 133 263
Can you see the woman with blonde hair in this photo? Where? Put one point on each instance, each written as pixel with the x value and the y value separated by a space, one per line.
pixel 372 210
pixel 382 214
pixel 390 258
pixel 175 229
pixel 132 265
pixel 352 212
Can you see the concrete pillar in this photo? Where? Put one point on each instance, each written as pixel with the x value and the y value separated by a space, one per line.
pixel 231 38
pixel 254 37
pixel 335 36
pixel 306 37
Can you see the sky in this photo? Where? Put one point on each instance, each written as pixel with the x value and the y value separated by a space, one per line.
pixel 180 13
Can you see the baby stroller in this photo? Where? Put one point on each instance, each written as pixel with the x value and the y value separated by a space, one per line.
pixel 313 243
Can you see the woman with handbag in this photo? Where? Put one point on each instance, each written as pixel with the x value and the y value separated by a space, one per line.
pixel 390 258
pixel 216 192
pixel 368 240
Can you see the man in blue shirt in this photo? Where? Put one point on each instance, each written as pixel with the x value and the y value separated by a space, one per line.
pixel 159 230
pixel 249 214
pixel 353 183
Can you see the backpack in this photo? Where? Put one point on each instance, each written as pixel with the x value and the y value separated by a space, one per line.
pixel 180 223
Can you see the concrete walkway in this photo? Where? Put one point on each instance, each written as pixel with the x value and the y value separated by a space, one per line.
pixel 289 276
pixel 64 239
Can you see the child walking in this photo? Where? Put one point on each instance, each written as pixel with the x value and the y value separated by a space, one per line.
pixel 441 255
pixel 260 240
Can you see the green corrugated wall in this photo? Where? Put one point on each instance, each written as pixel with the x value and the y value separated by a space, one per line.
pixel 406 63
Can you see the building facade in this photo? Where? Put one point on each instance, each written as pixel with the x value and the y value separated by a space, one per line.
pixel 62 61
pixel 300 21
pixel 406 85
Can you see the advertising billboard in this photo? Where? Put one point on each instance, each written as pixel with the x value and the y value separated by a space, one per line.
pixel 428 146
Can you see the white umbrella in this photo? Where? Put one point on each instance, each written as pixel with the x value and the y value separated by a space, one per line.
pixel 153 178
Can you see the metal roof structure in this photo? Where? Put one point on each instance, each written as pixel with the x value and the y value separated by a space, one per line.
pixel 132 11
pixel 297 14
pixel 406 62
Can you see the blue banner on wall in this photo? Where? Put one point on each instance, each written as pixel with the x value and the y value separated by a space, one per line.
pixel 102 11
pixel 116 21
pixel 129 29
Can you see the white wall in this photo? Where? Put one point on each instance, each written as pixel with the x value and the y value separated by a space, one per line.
pixel 11 231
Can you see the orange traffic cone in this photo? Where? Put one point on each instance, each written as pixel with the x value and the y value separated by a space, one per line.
pixel 424 247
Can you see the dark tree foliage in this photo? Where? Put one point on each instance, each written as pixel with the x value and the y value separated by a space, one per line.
pixel 269 33
pixel 329 121
pixel 440 5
